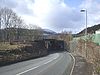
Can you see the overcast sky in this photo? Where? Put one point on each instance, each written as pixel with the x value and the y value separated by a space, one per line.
pixel 57 15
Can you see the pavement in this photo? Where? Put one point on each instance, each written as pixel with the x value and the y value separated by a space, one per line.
pixel 81 66
pixel 53 64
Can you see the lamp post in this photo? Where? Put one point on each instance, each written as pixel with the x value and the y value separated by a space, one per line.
pixel 0 28
pixel 84 10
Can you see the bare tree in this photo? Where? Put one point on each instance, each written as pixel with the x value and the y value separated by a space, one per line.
pixel 10 21
pixel 36 32
pixel 15 28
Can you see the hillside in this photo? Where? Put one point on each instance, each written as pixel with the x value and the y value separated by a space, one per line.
pixel 48 31
pixel 90 30
pixel 22 34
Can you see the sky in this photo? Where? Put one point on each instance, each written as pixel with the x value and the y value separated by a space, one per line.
pixel 57 15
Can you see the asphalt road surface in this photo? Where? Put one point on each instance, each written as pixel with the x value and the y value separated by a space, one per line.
pixel 53 64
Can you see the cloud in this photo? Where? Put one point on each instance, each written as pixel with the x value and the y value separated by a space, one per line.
pixel 19 6
pixel 55 14
pixel 64 17
pixel 8 3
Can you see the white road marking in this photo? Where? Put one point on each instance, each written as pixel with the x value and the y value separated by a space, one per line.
pixel 73 64
pixel 53 63
pixel 37 66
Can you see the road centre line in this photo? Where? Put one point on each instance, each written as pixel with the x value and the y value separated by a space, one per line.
pixel 38 66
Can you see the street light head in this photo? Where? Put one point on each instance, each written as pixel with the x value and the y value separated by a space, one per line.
pixel 83 10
